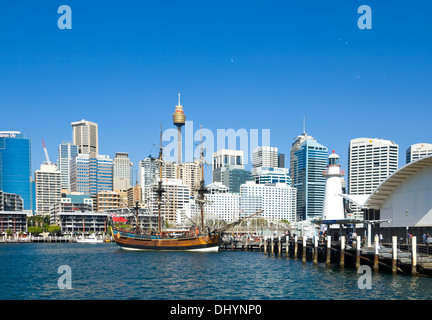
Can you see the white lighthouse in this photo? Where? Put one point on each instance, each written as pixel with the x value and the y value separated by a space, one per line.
pixel 333 201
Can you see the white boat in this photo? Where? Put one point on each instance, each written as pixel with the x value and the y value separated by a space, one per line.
pixel 91 239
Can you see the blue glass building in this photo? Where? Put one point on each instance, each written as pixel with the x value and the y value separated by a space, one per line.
pixel 15 167
pixel 309 161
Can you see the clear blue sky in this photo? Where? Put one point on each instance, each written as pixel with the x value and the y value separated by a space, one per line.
pixel 238 64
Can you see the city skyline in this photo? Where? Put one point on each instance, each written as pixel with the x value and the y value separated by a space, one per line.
pixel 260 66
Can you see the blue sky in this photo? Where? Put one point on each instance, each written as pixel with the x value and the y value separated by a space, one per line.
pixel 238 64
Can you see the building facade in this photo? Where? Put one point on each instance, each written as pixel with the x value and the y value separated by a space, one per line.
pixel 265 175
pixel 265 157
pixel 148 174
pixel 66 152
pixel 190 174
pixel 15 167
pixel 417 151
pixel 370 162
pixel 122 171
pixel 85 136
pixel 48 187
pixel 10 202
pixel 308 163
pixel 278 201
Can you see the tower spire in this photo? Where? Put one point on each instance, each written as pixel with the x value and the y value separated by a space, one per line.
pixel 179 98
pixel 304 125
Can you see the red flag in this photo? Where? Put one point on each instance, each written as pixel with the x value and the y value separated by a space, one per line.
pixel 118 218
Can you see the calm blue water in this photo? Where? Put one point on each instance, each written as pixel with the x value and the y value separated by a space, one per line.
pixel 104 271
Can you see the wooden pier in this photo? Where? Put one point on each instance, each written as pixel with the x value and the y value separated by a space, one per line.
pixel 415 259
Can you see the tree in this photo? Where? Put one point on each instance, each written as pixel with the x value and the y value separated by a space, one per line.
pixel 35 230
pixel 54 230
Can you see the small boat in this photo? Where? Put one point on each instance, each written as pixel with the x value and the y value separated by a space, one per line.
pixel 90 239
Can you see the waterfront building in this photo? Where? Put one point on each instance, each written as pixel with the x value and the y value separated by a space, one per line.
pixel 333 202
pixel 265 157
pixel 91 174
pixel 278 200
pixel 370 162
pixel 309 159
pixel 190 174
pixel 10 202
pixel 265 175
pixel 176 195
pixel 15 221
pixel 78 222
pixel 66 152
pixel 15 167
pixel 48 187
pixel 122 171
pixel 405 200
pixel 134 194
pixel 225 206
pixel 85 136
pixel 417 151
pixel 217 187
pixel 107 200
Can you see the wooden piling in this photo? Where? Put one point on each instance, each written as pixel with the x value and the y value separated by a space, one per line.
pixel 295 247
pixel 265 245
pixel 394 254
pixel 328 251
pixel 358 251
pixel 414 255
pixel 315 258
pixel 376 253
pixel 287 246
pixel 342 252
pixel 304 250
pixel 279 246
pixel 272 246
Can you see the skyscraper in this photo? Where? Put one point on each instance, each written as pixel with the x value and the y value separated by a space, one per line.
pixel 308 160
pixel 66 152
pixel 15 167
pixel 91 174
pixel 122 172
pixel 48 187
pixel 370 161
pixel 85 136
pixel 148 174
pixel 417 151
pixel 265 157
pixel 190 174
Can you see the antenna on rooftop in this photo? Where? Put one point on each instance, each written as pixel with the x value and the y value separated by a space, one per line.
pixel 46 152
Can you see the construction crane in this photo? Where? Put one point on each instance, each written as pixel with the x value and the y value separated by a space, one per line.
pixel 46 152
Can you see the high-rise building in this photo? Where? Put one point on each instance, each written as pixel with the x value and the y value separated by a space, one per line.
pixel 15 167
pixel 122 171
pixel 10 202
pixel 278 200
pixel 190 174
pixel 309 160
pixel 265 157
pixel 66 152
pixel 225 206
pixel 106 200
pixel 417 151
pixel 48 187
pixel 85 136
pixel 370 161
pixel 179 120
pixel 228 169
pixel 91 174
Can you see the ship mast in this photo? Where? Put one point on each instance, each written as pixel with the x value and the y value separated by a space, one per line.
pixel 202 189
pixel 159 189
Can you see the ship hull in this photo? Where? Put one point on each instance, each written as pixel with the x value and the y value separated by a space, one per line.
pixel 199 243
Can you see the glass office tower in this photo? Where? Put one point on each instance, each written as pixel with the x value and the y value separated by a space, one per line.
pixel 309 161
pixel 15 167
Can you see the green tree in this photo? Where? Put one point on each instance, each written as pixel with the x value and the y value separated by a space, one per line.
pixel 54 230
pixel 35 230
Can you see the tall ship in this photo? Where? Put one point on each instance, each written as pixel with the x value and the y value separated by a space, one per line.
pixel 197 237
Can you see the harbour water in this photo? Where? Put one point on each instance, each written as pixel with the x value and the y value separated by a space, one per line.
pixel 30 271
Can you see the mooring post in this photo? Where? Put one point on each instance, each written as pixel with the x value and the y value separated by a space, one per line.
pixel 342 252
pixel 414 255
pixel 295 247
pixel 287 245
pixel 376 253
pixel 358 251
pixel 260 245
pixel 279 246
pixel 304 250
pixel 328 251
pixel 394 254
pixel 265 245
pixel 315 259
pixel 272 245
